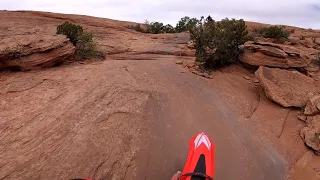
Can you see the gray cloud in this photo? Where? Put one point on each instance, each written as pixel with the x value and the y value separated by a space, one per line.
pixel 303 13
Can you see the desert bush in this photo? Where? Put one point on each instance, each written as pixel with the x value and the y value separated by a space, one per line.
pixel 182 24
pixel 216 43
pixel 168 29
pixel 86 47
pixel 275 32
pixel 137 27
pixel 254 33
pixel 186 23
pixel 257 30
pixel 83 41
pixel 252 36
pixel 72 31
pixel 192 23
pixel 154 27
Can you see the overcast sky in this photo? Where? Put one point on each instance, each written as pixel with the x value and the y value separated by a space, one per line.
pixel 302 13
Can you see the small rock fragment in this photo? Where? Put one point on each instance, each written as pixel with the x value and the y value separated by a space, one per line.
pixel 302 117
pixel 246 77
pixel 190 65
pixel 256 81
pixel 206 75
pixel 179 62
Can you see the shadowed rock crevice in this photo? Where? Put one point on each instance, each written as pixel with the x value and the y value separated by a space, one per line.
pixel 284 124
pixel 255 108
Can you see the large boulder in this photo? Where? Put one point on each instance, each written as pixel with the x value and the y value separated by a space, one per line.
pixel 311 134
pixel 288 88
pixel 28 52
pixel 273 55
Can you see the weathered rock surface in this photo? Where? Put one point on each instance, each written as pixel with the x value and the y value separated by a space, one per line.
pixel 313 106
pixel 302 117
pixel 27 52
pixel 311 134
pixel 294 40
pixel 308 42
pixel 285 87
pixel 306 168
pixel 317 41
pixel 273 55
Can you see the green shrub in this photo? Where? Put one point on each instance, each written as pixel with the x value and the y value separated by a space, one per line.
pixel 154 27
pixel 254 33
pixel 168 29
pixel 216 43
pixel 257 30
pixel 186 23
pixel 72 31
pixel 252 36
pixel 137 27
pixel 86 47
pixel 275 32
pixel 192 23
pixel 182 24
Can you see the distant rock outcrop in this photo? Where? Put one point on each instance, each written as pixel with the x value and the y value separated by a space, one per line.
pixel 28 52
pixel 288 88
pixel 273 55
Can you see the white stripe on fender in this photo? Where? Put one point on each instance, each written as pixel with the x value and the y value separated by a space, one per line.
pixel 202 138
